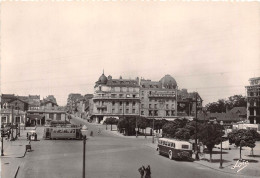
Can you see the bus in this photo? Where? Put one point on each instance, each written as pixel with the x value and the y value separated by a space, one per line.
pixel 59 132
pixel 174 149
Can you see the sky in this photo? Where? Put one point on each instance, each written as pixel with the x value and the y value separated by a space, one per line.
pixel 58 48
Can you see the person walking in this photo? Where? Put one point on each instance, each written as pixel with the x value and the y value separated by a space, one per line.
pixel 141 171
pixel 148 172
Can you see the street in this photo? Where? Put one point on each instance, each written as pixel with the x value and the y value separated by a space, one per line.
pixel 106 156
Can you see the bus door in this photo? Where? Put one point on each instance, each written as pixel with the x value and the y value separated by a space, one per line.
pixel 47 132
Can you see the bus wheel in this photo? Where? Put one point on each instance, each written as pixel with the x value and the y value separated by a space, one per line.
pixel 170 154
pixel 159 151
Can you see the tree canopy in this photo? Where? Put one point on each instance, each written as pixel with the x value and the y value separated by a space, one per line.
pixel 223 104
pixel 210 135
pixel 242 138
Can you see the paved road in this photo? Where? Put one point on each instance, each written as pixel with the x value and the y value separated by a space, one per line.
pixel 107 156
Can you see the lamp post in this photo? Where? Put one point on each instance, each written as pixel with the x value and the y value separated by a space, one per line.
pixel 84 131
pixel 153 128
pixel 2 137
pixel 196 128
pixel 221 161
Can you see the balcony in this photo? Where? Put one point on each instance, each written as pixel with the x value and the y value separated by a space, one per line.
pixel 115 98
pixel 161 95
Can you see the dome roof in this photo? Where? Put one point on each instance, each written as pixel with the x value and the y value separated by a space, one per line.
pixel 102 79
pixel 168 82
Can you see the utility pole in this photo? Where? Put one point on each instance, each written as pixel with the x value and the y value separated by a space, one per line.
pixel 12 130
pixel 196 136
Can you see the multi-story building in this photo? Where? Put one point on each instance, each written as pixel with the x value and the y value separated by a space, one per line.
pixel 158 98
pixel 115 98
pixel 187 103
pixel 253 101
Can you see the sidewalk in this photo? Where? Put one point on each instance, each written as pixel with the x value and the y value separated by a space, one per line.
pixel 14 151
pixel 230 158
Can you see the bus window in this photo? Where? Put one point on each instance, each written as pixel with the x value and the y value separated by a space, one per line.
pixel 169 143
pixel 185 146
pixel 173 145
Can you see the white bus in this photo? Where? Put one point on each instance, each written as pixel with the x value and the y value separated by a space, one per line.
pixel 173 148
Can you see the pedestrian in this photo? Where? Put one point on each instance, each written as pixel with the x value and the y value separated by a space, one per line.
pixel 8 134
pixel 148 172
pixel 141 171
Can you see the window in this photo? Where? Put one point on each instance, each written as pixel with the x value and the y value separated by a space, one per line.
pixel 167 106
pixel 150 92
pixel 121 89
pixel 113 103
pixel 113 96
pixel 173 113
pixel 133 111
pixel 167 113
pixel 121 96
pixel 155 106
pixel 113 110
pixel 133 103
pixel 4 119
pixel 150 105
pixel 120 111
pixel 127 103
pixel 150 113
pixel 185 146
pixel 112 88
pixel 155 113
pixel 169 144
pixel 121 103
pixel 142 105
pixel 127 111
pixel 173 145
pixel 58 116
pixel 133 96
pixel 17 119
pixel 142 92
pixel 142 112
pixel 127 89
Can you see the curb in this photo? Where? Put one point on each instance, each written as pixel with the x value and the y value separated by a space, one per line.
pixel 223 171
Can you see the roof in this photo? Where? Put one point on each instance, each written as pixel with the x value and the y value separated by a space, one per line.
pixel 48 101
pixel 18 99
pixel 150 84
pixel 168 82
pixel 219 116
pixel 239 110
pixel 255 78
pixel 122 82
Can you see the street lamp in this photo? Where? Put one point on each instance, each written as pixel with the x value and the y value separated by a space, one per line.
pixel 2 135
pixel 153 129
pixel 84 131
pixel 221 162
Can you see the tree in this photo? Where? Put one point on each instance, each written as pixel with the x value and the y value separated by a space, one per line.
pixel 222 104
pixel 242 138
pixel 111 121
pixel 170 128
pixel 210 135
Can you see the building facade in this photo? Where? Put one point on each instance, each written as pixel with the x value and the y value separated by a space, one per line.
pixel 187 103
pixel 115 98
pixel 253 101
pixel 158 98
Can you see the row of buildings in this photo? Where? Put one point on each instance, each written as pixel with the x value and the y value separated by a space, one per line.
pixel 30 110
pixel 134 97
pixel 161 99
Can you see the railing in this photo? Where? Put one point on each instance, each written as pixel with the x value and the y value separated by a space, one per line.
pixel 113 97
pixel 162 95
